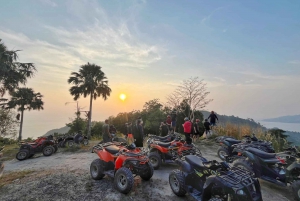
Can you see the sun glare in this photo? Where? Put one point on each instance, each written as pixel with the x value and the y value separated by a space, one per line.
pixel 122 97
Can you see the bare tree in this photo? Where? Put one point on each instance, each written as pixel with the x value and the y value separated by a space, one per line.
pixel 192 92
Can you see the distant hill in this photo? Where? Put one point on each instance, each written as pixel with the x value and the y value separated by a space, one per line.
pixel 62 130
pixel 285 119
pixel 293 137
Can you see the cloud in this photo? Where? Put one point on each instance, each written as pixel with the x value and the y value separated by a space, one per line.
pixel 220 79
pixel 296 62
pixel 261 76
pixel 207 18
pixel 249 81
pixel 48 2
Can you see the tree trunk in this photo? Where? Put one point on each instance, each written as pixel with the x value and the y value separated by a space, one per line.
pixel 90 117
pixel 21 125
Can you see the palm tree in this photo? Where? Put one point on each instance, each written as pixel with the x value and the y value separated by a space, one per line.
pixel 12 72
pixel 90 80
pixel 24 99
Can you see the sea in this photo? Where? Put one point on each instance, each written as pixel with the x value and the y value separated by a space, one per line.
pixel 284 126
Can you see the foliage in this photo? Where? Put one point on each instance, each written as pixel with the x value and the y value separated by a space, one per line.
pixel 24 99
pixel 12 72
pixel 96 130
pixel 77 124
pixel 193 93
pixel 90 80
pixel 7 123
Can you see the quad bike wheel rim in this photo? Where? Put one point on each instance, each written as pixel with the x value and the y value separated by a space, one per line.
pixel 222 154
pixel 298 193
pixel 22 155
pixel 85 142
pixel 94 171
pixel 70 144
pixel 153 161
pixel 48 150
pixel 174 183
pixel 122 181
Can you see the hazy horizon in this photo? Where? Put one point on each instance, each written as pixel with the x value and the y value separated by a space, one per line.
pixel 247 53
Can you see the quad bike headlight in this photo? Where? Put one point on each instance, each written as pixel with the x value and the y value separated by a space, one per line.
pixel 240 192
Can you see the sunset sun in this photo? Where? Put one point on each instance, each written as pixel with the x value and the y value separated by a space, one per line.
pixel 122 97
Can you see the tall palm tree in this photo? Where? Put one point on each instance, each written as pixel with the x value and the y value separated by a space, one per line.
pixel 90 80
pixel 24 99
pixel 12 72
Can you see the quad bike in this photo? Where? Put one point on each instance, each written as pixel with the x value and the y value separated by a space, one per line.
pixel 272 168
pixel 120 163
pixel 46 145
pixel 1 163
pixel 70 141
pixel 167 138
pixel 213 181
pixel 168 152
pixel 226 145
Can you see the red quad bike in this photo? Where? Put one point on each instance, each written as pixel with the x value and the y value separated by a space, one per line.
pixel 168 152
pixel 46 145
pixel 122 164
pixel 1 164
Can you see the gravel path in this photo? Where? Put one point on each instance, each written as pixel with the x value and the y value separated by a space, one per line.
pixel 65 176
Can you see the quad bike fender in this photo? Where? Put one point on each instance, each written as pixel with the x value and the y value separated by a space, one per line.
pixel 294 166
pixel 184 166
pixel 105 156
pixel 210 181
pixel 155 148
pixel 47 142
pixel 254 160
pixel 28 147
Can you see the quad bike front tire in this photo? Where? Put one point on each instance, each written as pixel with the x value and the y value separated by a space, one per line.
pixel 148 173
pixel 296 189
pixel 176 181
pixel 96 169
pixel 85 142
pixel 243 164
pixel 155 160
pixel 222 152
pixel 124 180
pixel 70 143
pixel 22 154
pixel 48 150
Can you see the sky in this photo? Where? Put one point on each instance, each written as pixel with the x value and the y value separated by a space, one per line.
pixel 246 51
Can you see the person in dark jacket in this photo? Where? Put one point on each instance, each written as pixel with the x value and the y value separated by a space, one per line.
pixel 164 130
pixel 139 132
pixel 174 119
pixel 207 127
pixel 213 117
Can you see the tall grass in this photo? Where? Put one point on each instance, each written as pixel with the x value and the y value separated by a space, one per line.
pixel 238 131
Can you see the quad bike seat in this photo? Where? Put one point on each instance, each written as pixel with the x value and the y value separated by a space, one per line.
pixel 260 153
pixel 233 141
pixel 113 149
pixel 194 161
pixel 163 144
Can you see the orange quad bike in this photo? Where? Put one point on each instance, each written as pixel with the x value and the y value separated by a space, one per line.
pixel 120 163
pixel 168 152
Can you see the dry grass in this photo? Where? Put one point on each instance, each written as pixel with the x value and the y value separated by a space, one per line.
pixel 13 176
pixel 10 152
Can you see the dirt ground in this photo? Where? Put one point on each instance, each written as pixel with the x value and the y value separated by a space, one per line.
pixel 65 176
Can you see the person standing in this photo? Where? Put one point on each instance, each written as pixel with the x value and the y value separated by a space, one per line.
pixel 187 127
pixel 207 127
pixel 174 119
pixel 169 122
pixel 213 117
pixel 164 129
pixel 105 132
pixel 196 128
pixel 139 132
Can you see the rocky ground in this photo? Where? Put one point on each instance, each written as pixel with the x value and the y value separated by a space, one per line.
pixel 65 176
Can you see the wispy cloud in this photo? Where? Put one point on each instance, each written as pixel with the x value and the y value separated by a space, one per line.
pixel 220 79
pixel 207 18
pixel 48 2
pixel 249 81
pixel 295 62
pixel 261 76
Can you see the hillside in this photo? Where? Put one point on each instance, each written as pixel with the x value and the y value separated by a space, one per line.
pixel 285 119
pixel 61 130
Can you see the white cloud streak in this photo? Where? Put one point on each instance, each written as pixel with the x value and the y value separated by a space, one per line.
pixel 48 2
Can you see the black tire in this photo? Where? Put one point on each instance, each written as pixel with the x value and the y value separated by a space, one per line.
pixel 70 143
pixel 176 181
pixel 124 180
pixel 96 169
pixel 55 148
pixel 22 154
pixel 222 151
pixel 31 155
pixel 155 160
pixel 296 189
pixel 147 174
pixel 243 164
pixel 48 150
pixel 85 142
pixel 215 199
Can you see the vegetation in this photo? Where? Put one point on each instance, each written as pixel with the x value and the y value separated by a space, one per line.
pixel 24 99
pixel 8 123
pixel 10 177
pixel 90 80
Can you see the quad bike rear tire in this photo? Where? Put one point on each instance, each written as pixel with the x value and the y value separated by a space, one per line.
pixel 222 152
pixel 96 169
pixel 176 181
pixel 244 164
pixel 22 154
pixel 296 189
pixel 70 143
pixel 148 173
pixel 155 160
pixel 124 180
pixel 48 150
